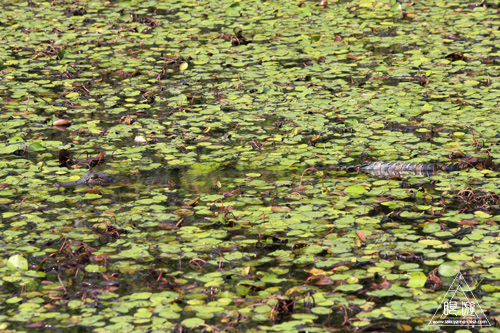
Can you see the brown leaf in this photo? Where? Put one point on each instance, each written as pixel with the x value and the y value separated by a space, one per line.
pixel 60 128
pixel 280 209
pixel 35 324
pixel 383 285
pixel 3 185
pixel 433 280
pixel 61 122
pixel 167 226
pixel 100 156
pixel 126 120
pixel 467 222
pixel 320 280
pixel 300 188
pixel 93 191
pixel 378 78
pixel 9 100
pixel 361 236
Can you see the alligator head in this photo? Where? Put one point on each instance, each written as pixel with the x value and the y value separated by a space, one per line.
pixel 90 179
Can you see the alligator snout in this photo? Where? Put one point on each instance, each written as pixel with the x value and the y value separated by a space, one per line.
pixel 90 179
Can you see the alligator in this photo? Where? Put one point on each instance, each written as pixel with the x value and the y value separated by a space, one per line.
pixel 392 169
pixel 90 179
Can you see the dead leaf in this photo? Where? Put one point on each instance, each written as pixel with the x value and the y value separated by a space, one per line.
pixel 126 120
pixel 467 222
pixel 320 280
pixel 61 122
pixel 361 236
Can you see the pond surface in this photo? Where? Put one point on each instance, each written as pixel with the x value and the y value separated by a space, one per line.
pixel 228 126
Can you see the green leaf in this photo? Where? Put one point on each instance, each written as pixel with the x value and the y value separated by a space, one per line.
pixel 417 280
pixel 17 262
pixel 355 189
pixel 449 268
